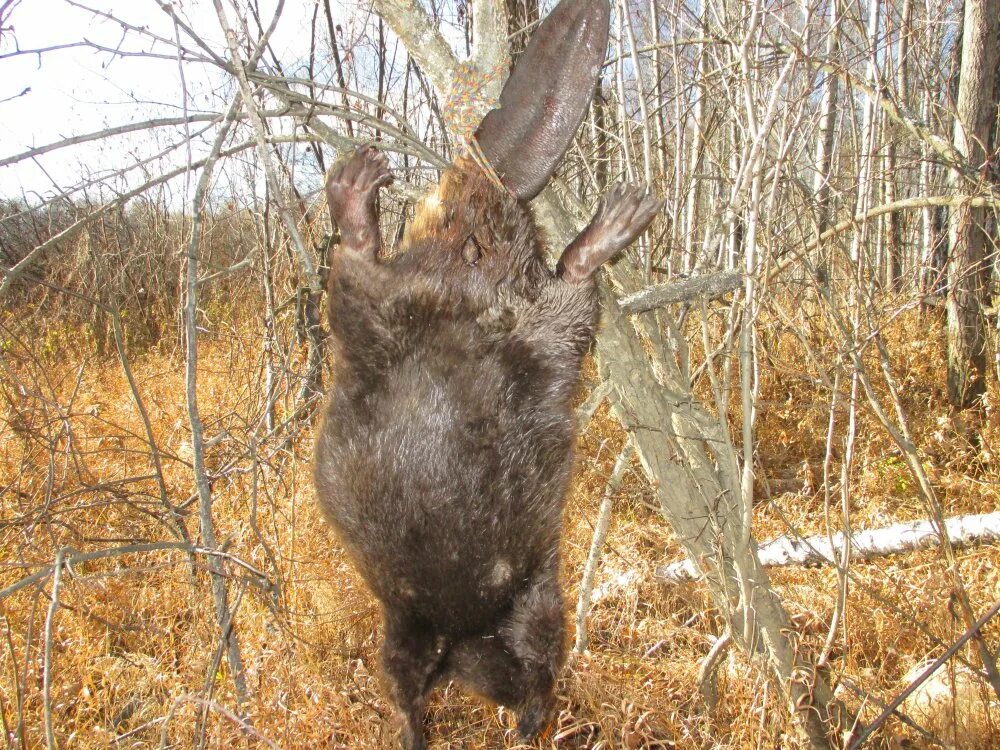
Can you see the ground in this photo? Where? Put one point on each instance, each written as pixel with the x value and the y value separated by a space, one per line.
pixel 134 645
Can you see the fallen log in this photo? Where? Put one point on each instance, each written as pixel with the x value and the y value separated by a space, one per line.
pixel 963 531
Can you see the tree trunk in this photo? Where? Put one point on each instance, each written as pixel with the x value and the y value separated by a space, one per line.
pixel 893 184
pixel 692 463
pixel 699 118
pixel 968 271
pixel 825 142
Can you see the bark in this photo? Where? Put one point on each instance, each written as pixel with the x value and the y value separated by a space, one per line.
pixel 599 135
pixel 423 41
pixel 381 92
pixel 706 287
pixel 825 139
pixel 50 737
pixel 869 145
pixel 311 329
pixel 699 119
pixel 691 462
pixel 894 185
pixel 659 119
pixel 968 271
pixel 823 549
pixel 929 279
pixel 489 30
pixel 707 686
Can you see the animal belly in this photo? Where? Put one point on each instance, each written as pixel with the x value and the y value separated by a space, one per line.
pixel 457 585
pixel 444 500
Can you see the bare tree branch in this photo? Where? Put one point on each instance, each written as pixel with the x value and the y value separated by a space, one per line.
pixel 428 48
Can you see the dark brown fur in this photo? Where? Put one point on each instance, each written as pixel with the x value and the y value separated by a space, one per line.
pixel 447 445
pixel 446 450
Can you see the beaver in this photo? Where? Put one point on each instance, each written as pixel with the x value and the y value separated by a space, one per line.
pixel 447 443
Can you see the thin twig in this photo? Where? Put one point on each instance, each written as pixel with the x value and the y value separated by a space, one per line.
pixel 72 557
pixel 896 702
pixel 597 544
pixel 50 737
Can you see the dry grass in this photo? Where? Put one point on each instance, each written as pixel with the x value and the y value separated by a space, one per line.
pixel 135 645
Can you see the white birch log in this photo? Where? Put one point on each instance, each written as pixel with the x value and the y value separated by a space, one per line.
pixel 963 531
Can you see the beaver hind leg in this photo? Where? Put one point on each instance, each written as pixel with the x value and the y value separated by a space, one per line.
pixel 412 656
pixel 517 663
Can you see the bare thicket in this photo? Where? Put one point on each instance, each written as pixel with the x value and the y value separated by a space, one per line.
pixel 831 184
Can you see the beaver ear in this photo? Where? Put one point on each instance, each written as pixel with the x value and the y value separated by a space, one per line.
pixel 546 96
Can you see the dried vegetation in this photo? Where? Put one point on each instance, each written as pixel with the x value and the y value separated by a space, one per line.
pixel 135 659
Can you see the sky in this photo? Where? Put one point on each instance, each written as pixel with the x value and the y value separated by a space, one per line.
pixel 79 90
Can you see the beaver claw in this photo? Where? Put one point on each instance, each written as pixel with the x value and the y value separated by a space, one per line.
pixel 622 215
pixel 351 188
